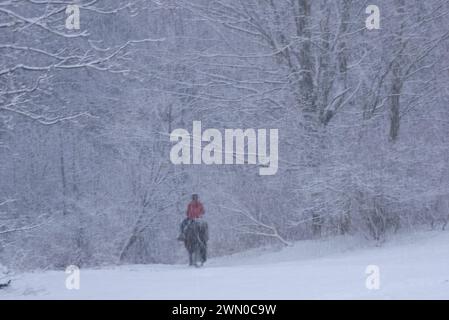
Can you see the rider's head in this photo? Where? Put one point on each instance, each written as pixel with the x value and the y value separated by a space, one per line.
pixel 194 197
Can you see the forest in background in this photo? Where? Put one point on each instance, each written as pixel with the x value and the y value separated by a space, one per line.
pixel 85 118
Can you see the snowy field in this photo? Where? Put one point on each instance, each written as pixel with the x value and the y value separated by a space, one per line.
pixel 412 266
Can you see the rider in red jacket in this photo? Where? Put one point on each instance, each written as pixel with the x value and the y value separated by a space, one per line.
pixel 195 208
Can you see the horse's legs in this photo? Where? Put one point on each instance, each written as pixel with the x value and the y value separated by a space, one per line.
pixel 198 257
pixel 203 253
pixel 190 259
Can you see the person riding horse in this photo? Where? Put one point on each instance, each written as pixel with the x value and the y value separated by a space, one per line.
pixel 195 210
pixel 194 231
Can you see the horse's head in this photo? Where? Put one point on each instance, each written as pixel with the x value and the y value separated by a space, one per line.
pixel 195 232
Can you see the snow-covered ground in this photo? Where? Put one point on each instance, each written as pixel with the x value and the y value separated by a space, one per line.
pixel 412 266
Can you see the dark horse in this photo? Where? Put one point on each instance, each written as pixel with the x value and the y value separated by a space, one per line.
pixel 195 240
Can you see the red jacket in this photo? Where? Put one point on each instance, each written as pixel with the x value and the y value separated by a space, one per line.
pixel 195 210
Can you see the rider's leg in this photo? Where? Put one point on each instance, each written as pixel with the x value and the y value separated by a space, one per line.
pixel 183 225
pixel 182 229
